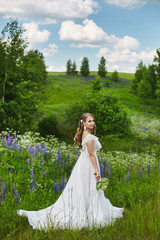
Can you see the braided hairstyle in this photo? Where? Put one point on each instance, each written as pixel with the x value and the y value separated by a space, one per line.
pixel 80 129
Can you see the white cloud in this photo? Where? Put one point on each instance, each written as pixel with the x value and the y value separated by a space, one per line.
pixel 126 55
pixel 127 3
pixel 56 69
pixel 86 34
pixel 91 36
pixel 53 9
pixel 46 21
pixel 50 51
pixel 34 35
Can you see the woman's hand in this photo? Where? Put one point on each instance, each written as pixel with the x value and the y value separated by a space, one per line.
pixel 98 176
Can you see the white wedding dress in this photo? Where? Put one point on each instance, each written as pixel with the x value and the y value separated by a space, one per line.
pixel 80 204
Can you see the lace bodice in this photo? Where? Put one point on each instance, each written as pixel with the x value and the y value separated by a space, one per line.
pixel 87 138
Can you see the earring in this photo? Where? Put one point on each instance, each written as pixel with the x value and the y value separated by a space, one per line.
pixel 84 128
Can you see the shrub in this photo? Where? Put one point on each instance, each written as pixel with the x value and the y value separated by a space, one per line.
pixel 114 76
pixel 109 116
pixel 49 126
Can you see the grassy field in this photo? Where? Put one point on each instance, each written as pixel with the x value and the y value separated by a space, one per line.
pixel 135 163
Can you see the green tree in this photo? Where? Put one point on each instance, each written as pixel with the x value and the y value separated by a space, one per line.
pixel 96 85
pixel 33 68
pixel 102 67
pixel 148 84
pixel 157 62
pixel 114 76
pixel 84 69
pixel 69 67
pixel 138 75
pixel 19 92
pixel 74 68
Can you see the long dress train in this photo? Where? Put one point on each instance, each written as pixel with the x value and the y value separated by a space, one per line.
pixel 80 204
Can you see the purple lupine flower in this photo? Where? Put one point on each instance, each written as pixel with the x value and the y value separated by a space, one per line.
pixel 11 170
pixel 29 149
pixel 45 173
pixel 125 178
pixel 28 162
pixel 2 189
pixel 145 129
pixel 101 170
pixel 16 197
pixel 34 151
pixel 50 151
pixel 143 144
pixel 110 174
pixel 33 184
pixel 74 152
pixel 106 170
pixel 2 140
pixel 148 169
pixel 128 176
pixel 61 188
pixel 65 181
pixel 45 148
pixel 56 187
pixel 6 188
pixel 42 163
pixel 9 141
pixel 140 173
pixel 68 155
pixel 32 172
pixel 13 189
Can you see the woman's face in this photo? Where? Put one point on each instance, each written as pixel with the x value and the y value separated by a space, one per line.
pixel 89 123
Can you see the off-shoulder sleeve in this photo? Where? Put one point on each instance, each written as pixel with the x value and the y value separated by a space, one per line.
pixel 93 138
pixel 88 138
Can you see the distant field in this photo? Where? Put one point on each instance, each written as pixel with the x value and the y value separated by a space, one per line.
pixel 121 74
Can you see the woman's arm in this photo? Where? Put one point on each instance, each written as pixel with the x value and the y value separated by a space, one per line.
pixel 90 147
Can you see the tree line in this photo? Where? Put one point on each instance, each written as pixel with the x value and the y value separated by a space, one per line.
pixel 146 81
pixel 22 75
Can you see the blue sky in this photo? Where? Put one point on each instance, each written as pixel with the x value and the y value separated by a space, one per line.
pixel 123 31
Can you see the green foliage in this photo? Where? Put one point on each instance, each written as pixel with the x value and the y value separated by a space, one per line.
pixel 138 76
pixel 84 69
pixel 109 116
pixel 114 76
pixel 74 69
pixel 21 78
pixel 96 85
pixel 148 84
pixel 49 126
pixel 102 67
pixel 69 67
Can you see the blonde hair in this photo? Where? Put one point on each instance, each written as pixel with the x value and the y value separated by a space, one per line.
pixel 80 129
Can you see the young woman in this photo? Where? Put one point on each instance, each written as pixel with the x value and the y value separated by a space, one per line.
pixel 80 204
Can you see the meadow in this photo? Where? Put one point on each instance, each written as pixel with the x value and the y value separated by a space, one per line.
pixel 34 170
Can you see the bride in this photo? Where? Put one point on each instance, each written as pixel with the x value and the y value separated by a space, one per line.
pixel 80 204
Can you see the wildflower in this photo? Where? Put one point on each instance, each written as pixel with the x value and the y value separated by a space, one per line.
pixel 56 187
pixel 33 184
pixel 148 169
pixel 32 172
pixel 16 197
pixel 9 141
pixel 2 189
pixel 13 189
pixel 6 188
pixel 65 181
pixel 28 162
